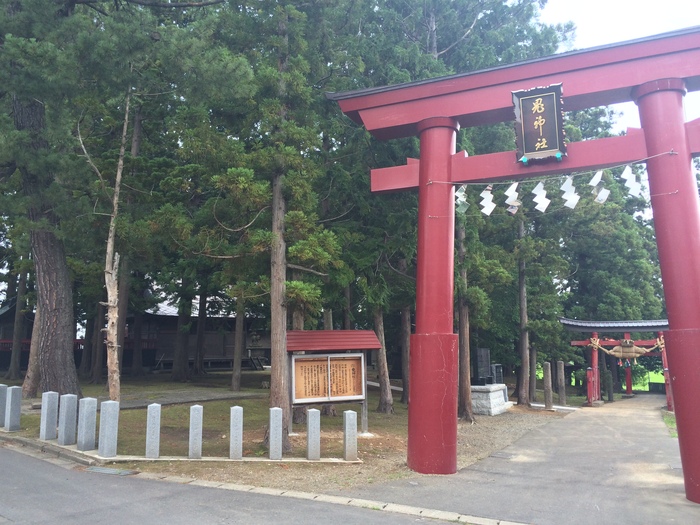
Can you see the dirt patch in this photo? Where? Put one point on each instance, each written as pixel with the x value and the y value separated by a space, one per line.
pixel 383 456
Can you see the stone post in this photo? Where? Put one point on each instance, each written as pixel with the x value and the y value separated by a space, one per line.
pixel 548 403
pixel 87 422
pixel 196 420
pixel 350 435
pixel 109 429
pixel 3 402
pixel 364 419
pixel 49 416
pixel 153 431
pixel 236 431
pixel 276 433
pixel 67 419
pixel 561 383
pixel 13 408
pixel 313 434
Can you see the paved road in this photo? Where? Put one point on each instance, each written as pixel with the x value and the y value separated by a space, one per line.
pixel 612 465
pixel 34 491
pixel 615 465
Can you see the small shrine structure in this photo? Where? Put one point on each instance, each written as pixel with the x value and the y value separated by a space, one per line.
pixel 624 348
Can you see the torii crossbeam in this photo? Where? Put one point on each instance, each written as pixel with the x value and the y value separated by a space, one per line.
pixel 655 73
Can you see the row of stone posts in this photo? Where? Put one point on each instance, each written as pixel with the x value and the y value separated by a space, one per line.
pixel 59 416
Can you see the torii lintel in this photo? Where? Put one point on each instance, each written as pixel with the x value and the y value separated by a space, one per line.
pixel 585 155
pixel 592 77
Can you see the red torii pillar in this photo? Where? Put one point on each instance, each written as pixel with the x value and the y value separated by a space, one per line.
pixel 674 201
pixel 654 72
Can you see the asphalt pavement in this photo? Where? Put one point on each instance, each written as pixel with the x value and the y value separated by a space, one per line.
pixel 614 464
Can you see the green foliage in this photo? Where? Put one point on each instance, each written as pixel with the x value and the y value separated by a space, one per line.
pixel 227 101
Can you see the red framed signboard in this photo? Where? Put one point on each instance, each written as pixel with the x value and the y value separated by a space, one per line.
pixel 328 377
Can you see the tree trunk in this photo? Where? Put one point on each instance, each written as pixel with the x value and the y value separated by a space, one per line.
pixel 523 380
pixel 18 328
pixel 32 381
pixel 347 317
pixel 432 35
pixel 328 319
pixel 54 293
pixel 298 412
pixel 405 353
pixel 328 409
pixel 201 332
pixel 279 379
pixel 465 410
pixel 181 359
pixel 238 345
pixel 55 299
pixel 112 271
pixel 533 375
pixel 386 400
pixel 112 329
pixel 405 339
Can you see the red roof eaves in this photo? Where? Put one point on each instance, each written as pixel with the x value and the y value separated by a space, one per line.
pixel 331 340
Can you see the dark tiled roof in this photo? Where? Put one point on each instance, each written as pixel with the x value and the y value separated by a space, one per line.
pixel 574 325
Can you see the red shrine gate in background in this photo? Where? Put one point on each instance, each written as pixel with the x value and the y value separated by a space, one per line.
pixel 655 73
pixel 622 349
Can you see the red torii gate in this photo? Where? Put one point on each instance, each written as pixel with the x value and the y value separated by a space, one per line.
pixel 655 73
pixel 626 327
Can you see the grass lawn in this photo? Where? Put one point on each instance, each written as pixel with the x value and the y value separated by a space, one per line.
pixel 215 431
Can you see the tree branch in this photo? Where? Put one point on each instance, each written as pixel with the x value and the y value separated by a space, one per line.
pixel 305 269
pixel 465 35
pixel 338 217
pixel 386 258
pixel 242 227
pixel 171 5
pixel 89 159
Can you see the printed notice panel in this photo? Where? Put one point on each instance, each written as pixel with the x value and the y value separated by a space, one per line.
pixel 331 377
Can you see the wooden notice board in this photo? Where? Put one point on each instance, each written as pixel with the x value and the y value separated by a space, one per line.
pixel 328 377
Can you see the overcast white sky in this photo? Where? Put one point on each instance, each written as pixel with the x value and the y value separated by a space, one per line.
pixel 600 22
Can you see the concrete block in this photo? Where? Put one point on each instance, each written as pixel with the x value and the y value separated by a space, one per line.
pixel 109 429
pixel 48 427
pixel 3 402
pixel 313 434
pixel 196 421
pixel 87 423
pixel 67 419
pixel 350 435
pixel 276 433
pixel 236 433
pixel 153 431
pixel 490 400
pixel 13 408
